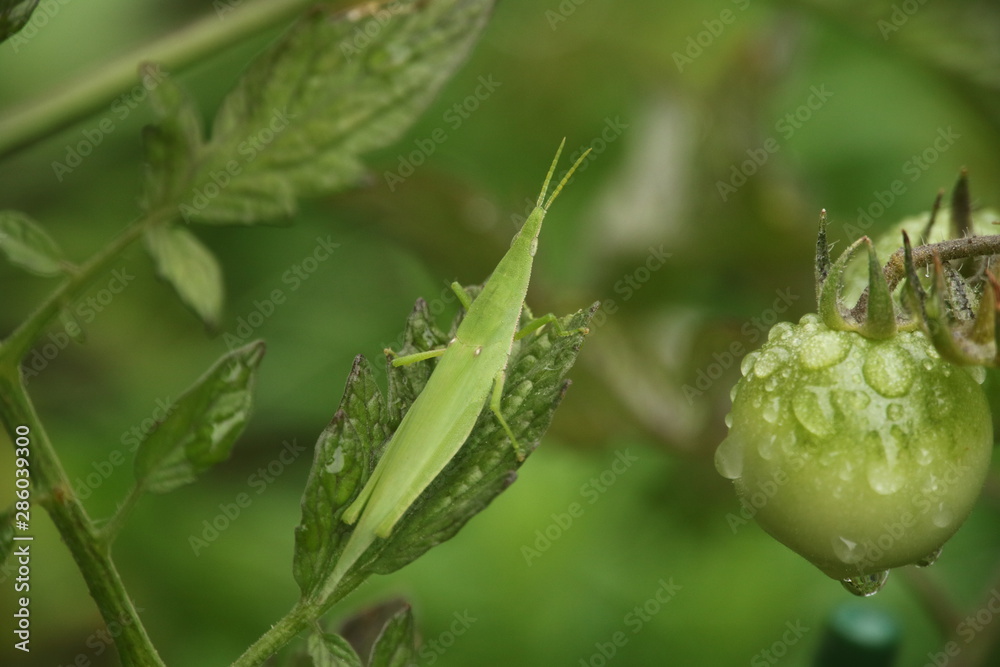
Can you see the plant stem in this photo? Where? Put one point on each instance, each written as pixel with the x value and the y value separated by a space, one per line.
pixel 964 248
pixel 295 621
pixel 16 346
pixel 93 558
pixel 67 104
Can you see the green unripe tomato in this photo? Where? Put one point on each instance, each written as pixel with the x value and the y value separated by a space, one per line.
pixel 861 455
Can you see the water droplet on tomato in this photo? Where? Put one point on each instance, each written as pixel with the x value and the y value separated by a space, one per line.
pixel 814 412
pixel 771 411
pixel 894 412
pixel 748 361
pixel 866 585
pixel 943 517
pixel 766 447
pixel 846 550
pixel 732 392
pixel 770 360
pixel 729 458
pixel 978 373
pixel 824 350
pixel 729 419
pixel 771 383
pixel 929 559
pixel 884 479
pixel 889 370
pixel 779 331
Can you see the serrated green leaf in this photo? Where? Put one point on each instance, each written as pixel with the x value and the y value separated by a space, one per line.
pixel 342 462
pixel 190 267
pixel 396 645
pixel 336 85
pixel 28 246
pixel 14 15
pixel 173 145
pixel 486 464
pixel 202 425
pixel 329 650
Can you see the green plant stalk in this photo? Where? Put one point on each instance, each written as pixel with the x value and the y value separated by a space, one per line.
pixel 49 481
pixel 92 556
pixel 67 104
pixel 300 617
pixel 16 346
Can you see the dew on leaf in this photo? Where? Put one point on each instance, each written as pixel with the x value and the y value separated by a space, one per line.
pixel 866 585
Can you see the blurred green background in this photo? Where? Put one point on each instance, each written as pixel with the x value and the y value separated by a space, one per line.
pixel 671 96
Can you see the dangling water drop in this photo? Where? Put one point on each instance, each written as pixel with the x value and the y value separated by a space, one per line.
pixel 866 585
pixel 729 458
pixel 929 559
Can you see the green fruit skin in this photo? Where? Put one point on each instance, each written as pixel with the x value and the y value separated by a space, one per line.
pixel 860 455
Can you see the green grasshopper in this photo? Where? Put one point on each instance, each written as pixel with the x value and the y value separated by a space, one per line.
pixel 441 418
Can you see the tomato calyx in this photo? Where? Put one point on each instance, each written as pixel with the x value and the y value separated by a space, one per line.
pixel 958 314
